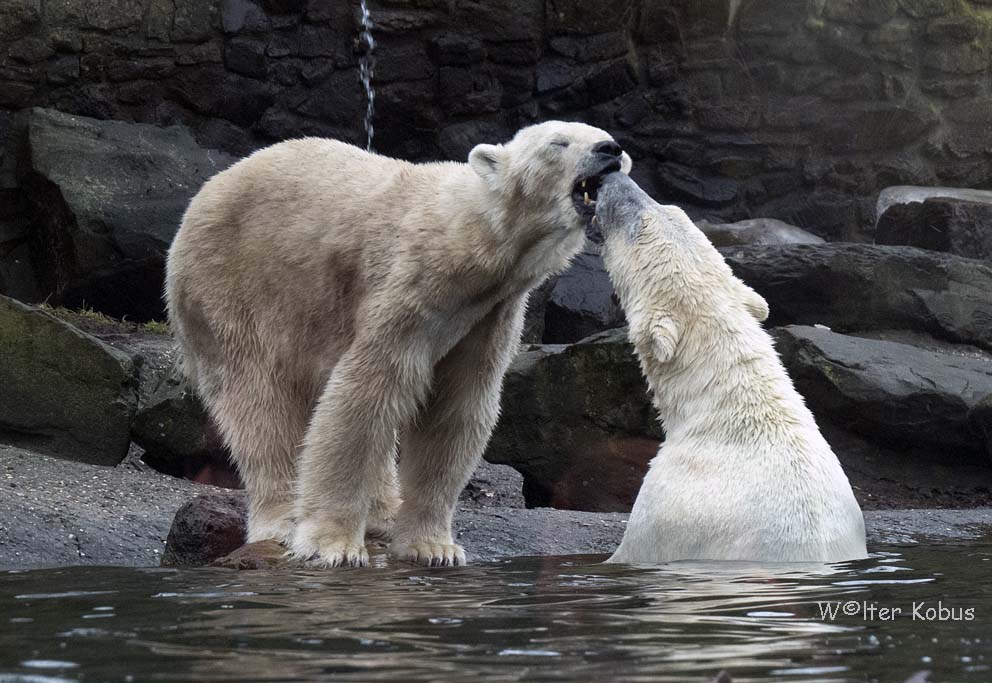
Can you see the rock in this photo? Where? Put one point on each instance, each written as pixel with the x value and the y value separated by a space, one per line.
pixel 958 221
pixel 65 393
pixel 206 528
pixel 17 278
pixel 178 436
pixel 578 423
pixel 109 197
pixel 683 183
pixel 869 12
pixel 533 332
pixel 498 486
pixel 56 513
pixel 18 15
pixel 497 533
pixel 862 287
pixel 891 392
pixel 981 421
pixel 268 554
pixel 582 301
pixel 756 231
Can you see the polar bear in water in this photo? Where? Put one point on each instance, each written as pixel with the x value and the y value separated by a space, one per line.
pixel 744 473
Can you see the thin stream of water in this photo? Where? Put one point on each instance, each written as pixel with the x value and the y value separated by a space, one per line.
pixel 367 72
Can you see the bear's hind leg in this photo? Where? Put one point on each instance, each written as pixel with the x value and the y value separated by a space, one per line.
pixel 264 426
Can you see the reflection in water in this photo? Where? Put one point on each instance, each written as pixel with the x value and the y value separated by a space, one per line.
pixel 534 619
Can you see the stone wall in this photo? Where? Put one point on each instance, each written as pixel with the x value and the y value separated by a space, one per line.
pixel 796 109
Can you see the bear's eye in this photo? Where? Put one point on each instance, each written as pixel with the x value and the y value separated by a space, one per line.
pixel 559 143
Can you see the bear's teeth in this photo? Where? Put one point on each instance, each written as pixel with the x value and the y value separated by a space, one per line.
pixel 583 183
pixel 586 196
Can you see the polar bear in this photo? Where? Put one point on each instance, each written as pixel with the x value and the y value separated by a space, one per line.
pixel 336 308
pixel 744 473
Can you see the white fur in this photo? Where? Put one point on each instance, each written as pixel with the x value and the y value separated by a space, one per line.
pixel 336 308
pixel 744 473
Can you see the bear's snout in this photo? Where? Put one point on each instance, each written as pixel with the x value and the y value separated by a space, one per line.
pixel 608 148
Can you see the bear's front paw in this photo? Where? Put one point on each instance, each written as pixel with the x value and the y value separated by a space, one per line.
pixel 326 551
pixel 430 554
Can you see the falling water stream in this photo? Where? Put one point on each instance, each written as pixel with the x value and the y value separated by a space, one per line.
pixel 367 71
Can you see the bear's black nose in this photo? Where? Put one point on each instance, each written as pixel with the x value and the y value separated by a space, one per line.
pixel 607 147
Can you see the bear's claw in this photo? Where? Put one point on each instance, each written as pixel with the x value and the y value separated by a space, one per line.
pixel 326 550
pixel 431 554
pixel 335 556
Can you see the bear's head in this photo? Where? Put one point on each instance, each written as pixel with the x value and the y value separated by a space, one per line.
pixel 553 169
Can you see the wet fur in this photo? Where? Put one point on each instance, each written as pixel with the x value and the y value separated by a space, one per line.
pixel 744 473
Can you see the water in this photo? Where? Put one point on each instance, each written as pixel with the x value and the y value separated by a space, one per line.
pixel 367 71
pixel 523 619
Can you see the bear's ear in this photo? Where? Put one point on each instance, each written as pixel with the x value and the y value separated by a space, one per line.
pixel 626 163
pixel 754 303
pixel 485 160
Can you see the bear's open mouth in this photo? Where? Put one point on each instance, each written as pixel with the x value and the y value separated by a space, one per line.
pixel 585 192
pixel 584 195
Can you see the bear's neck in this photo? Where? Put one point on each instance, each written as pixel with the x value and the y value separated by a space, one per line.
pixel 725 367
pixel 519 242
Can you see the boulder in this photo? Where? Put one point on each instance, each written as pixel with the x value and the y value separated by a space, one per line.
pixel 64 392
pixel 581 301
pixel 954 220
pixel 756 231
pixel 893 393
pixel 912 194
pixel 108 197
pixel 863 287
pixel 578 423
pixel 208 531
pixel 981 420
pixel 178 436
pixel 207 527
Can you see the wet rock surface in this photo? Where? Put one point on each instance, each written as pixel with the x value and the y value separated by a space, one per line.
pixel 893 392
pixel 863 287
pixel 958 221
pixel 59 513
pixel 208 527
pixel 756 231
pixel 64 392
pixel 55 512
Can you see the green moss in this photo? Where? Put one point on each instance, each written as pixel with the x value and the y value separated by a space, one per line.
pixel 98 323
pixel 157 327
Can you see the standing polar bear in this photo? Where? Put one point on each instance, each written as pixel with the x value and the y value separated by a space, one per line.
pixel 335 307
pixel 744 473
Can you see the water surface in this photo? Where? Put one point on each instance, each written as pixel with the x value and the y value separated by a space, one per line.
pixel 534 619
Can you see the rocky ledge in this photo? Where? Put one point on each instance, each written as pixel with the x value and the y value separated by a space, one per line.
pixel 58 513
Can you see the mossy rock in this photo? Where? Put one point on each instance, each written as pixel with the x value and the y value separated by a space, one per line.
pixel 65 393
pixel 173 426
